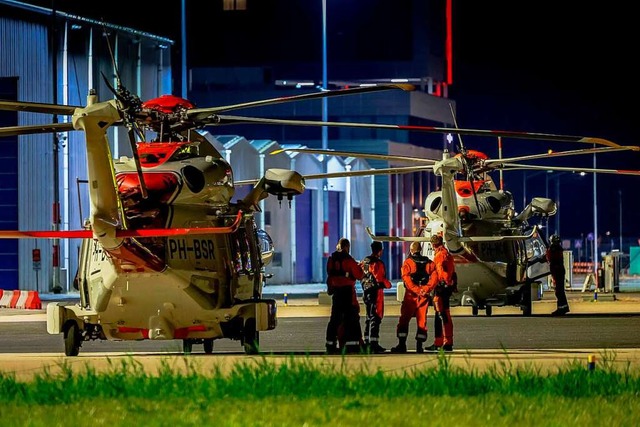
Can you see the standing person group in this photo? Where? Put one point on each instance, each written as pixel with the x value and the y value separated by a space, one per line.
pixel 373 284
pixel 342 273
pixel 555 257
pixel 425 282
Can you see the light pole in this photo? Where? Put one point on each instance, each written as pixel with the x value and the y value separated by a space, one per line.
pixel 620 219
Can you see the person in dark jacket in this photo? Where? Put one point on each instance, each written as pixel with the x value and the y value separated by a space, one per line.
pixel 342 273
pixel 555 257
pixel 373 284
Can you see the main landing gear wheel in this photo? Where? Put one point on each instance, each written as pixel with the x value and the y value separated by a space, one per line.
pixel 187 346
pixel 474 310
pixel 251 337
pixel 208 345
pixel 489 310
pixel 72 339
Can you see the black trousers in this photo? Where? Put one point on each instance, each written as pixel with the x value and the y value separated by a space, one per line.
pixel 344 312
pixel 558 277
pixel 372 321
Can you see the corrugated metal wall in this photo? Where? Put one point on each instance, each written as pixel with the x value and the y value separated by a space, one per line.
pixel 24 53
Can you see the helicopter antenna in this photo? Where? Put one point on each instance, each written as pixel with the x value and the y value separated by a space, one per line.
pixel 467 168
pixel 128 104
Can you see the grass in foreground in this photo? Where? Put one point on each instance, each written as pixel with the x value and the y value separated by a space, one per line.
pixel 298 393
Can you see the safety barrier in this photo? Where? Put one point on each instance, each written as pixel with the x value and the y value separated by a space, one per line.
pixel 20 299
pixel 583 267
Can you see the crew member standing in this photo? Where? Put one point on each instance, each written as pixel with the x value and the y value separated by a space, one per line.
pixel 373 284
pixel 555 257
pixel 444 283
pixel 416 271
pixel 342 273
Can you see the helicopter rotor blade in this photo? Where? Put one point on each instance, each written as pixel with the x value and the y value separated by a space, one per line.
pixel 33 129
pixel 216 120
pixel 517 166
pixel 385 157
pixel 198 114
pixel 494 162
pixel 37 107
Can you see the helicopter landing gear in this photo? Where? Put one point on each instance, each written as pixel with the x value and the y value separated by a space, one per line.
pixel 525 300
pixel 489 310
pixel 251 337
pixel 187 346
pixel 208 345
pixel 474 310
pixel 72 338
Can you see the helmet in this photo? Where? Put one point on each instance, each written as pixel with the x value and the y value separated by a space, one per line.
pixel 554 238
pixel 436 240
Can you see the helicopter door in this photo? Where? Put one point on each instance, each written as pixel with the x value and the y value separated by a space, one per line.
pixel 537 265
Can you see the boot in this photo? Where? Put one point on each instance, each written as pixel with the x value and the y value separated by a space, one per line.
pixel 433 347
pixel 332 349
pixel 376 348
pixel 419 348
pixel 401 347
pixel 561 311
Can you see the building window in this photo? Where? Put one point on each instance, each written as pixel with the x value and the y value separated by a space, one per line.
pixel 357 214
pixel 234 4
pixel 277 259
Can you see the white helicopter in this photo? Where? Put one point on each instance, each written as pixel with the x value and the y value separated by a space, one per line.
pixel 166 254
pixel 499 253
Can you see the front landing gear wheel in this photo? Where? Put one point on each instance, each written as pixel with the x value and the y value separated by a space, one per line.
pixel 251 337
pixel 72 339
pixel 208 345
pixel 474 310
pixel 187 346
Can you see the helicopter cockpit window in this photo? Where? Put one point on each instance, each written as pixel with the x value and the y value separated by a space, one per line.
pixel 185 152
pixel 535 247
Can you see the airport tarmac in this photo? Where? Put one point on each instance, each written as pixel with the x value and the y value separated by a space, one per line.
pixel 310 301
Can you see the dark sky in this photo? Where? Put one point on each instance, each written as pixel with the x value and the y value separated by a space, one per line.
pixel 528 65
pixel 534 66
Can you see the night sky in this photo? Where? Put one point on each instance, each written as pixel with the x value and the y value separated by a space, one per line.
pixel 522 66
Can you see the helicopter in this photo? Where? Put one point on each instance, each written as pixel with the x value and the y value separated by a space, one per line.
pixel 499 253
pixel 165 253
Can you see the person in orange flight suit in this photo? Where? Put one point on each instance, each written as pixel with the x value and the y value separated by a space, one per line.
pixel 342 273
pixel 416 271
pixel 443 282
pixel 373 284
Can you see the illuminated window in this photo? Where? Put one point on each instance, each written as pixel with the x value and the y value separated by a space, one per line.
pixel 234 5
